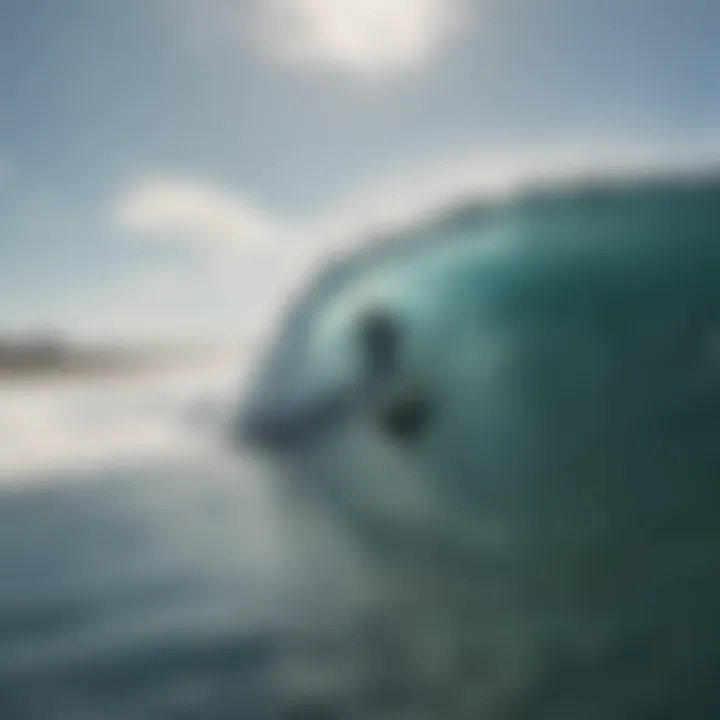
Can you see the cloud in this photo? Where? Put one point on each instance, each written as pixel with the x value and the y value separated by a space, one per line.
pixel 195 212
pixel 244 263
pixel 363 37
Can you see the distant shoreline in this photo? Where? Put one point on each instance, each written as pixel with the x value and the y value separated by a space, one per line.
pixel 46 361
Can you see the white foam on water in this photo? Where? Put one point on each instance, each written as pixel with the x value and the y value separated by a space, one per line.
pixel 58 425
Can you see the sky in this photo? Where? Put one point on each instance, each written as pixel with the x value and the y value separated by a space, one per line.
pixel 170 168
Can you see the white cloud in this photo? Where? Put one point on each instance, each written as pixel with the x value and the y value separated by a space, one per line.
pixel 244 265
pixel 194 211
pixel 365 37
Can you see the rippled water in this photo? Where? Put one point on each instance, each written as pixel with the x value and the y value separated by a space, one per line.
pixel 138 594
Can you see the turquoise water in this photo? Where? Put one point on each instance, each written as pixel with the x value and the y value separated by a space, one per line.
pixel 552 519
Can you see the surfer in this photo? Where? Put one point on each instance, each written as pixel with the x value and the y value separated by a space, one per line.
pixel 399 409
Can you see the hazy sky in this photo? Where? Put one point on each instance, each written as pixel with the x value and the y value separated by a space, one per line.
pixel 165 165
